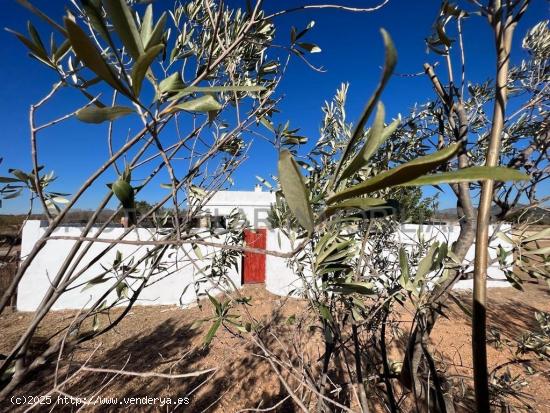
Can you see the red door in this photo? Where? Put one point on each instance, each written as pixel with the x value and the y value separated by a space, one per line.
pixel 254 263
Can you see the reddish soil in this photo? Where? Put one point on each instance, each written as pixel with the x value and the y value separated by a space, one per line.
pixel 511 313
pixel 162 339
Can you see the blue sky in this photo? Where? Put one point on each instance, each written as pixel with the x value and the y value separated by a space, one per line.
pixel 351 52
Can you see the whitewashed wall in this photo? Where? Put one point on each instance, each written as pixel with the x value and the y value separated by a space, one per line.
pixel 280 279
pixel 167 290
pixel 449 234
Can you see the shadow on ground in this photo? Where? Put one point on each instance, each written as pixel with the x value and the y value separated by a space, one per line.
pixel 241 379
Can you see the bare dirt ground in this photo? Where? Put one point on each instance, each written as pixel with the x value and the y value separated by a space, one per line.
pixel 160 338
pixel 511 313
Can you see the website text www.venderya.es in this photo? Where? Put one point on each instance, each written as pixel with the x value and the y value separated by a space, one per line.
pixel 100 400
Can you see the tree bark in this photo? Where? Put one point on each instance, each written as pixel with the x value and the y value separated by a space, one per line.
pixel 503 29
pixel 466 214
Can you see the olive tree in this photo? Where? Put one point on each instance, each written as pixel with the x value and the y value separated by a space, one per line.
pixel 354 274
pixel 192 82
pixel 210 67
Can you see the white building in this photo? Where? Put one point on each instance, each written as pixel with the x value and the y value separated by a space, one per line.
pixel 254 205
pixel 171 287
